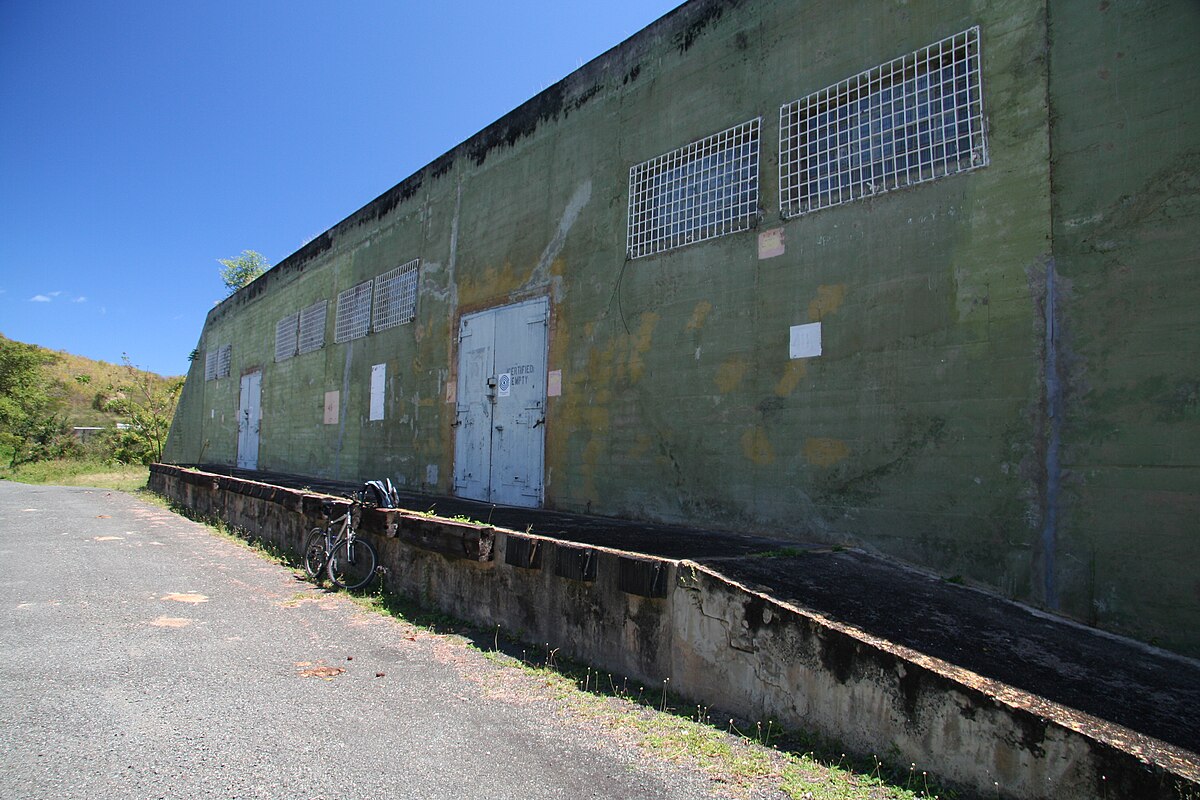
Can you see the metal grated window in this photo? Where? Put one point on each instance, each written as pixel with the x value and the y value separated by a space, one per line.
pixel 210 365
pixel 353 313
pixel 706 189
pixel 312 327
pixel 913 119
pixel 396 296
pixel 224 361
pixel 287 336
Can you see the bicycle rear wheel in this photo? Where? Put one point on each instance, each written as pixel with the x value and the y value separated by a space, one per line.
pixel 315 557
pixel 352 563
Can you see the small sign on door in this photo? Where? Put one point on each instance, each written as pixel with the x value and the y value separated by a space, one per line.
pixel 503 384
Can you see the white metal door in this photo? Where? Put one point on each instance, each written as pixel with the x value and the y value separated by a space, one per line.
pixel 500 444
pixel 249 420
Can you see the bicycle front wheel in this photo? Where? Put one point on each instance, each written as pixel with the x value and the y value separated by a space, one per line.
pixel 315 557
pixel 352 563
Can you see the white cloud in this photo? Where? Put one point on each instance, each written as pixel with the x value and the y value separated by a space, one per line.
pixel 79 300
pixel 39 298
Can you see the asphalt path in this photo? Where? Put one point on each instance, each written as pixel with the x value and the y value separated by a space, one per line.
pixel 142 656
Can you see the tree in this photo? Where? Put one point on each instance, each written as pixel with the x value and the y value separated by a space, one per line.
pixel 31 427
pixel 147 403
pixel 237 273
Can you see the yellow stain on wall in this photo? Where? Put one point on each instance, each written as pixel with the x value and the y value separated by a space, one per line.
pixel 828 300
pixel 756 446
pixel 640 345
pixel 792 373
pixel 641 446
pixel 474 288
pixel 699 315
pixel 825 452
pixel 729 374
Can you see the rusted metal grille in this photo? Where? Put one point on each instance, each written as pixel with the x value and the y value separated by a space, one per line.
pixel 914 119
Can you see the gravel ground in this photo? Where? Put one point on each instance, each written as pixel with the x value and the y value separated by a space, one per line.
pixel 141 656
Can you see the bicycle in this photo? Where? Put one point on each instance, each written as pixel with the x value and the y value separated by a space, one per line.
pixel 339 552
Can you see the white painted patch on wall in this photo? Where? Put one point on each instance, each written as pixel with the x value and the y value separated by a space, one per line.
pixel 805 341
pixel 331 407
pixel 770 243
pixel 431 474
pixel 541 274
pixel 378 383
pixel 554 383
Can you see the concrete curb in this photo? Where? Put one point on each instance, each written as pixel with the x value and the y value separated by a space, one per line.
pixel 720 642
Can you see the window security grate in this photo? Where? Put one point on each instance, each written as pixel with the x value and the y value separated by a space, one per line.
pixel 312 327
pixel 287 336
pixel 353 313
pixel 210 365
pixel 701 191
pixel 396 296
pixel 224 361
pixel 913 119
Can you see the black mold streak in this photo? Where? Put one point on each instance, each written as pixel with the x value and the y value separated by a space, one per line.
pixel 393 197
pixel 685 38
pixel 632 75
pixel 838 652
pixel 518 124
pixel 442 165
pixel 582 99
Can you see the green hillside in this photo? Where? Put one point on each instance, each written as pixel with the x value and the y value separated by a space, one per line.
pixel 82 385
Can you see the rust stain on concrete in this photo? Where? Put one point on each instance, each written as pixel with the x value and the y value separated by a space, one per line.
pixel 828 300
pixel 756 446
pixel 825 452
pixel 699 315
pixel 792 373
pixel 171 622
pixel 640 345
pixel 729 374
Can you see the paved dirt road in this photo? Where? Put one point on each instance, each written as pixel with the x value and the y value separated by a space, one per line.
pixel 141 656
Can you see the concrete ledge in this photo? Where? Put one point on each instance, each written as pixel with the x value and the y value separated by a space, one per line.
pixel 721 643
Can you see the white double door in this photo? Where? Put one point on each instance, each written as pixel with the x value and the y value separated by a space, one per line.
pixel 499 447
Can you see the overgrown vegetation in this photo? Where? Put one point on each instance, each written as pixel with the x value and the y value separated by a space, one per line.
pixel 239 272
pixel 45 396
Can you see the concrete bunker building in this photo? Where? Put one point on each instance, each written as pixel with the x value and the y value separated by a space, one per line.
pixel 920 277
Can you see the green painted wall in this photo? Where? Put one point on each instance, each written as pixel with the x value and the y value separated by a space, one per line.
pixel 922 431
pixel 1126 177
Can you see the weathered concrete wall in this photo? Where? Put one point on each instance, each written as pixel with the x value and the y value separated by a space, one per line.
pixel 937 422
pixel 719 643
pixel 1126 176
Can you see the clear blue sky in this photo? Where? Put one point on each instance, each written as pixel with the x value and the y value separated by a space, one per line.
pixel 141 141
